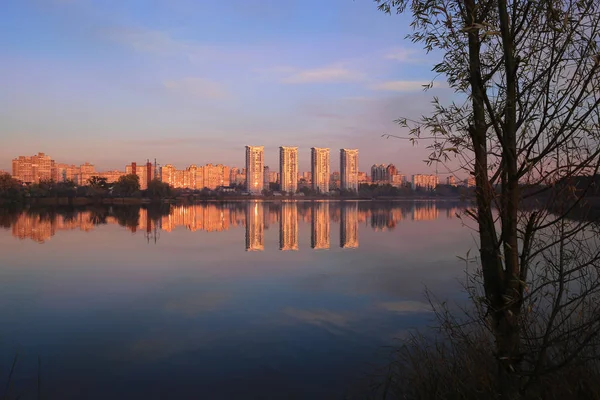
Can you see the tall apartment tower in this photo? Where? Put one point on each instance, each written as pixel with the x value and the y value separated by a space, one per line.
pixel 255 164
pixel 349 169
pixel 319 164
pixel 288 168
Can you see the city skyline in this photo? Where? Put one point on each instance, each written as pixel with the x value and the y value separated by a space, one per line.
pixel 32 169
pixel 103 82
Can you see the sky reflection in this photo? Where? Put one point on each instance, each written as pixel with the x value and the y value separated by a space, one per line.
pixel 112 312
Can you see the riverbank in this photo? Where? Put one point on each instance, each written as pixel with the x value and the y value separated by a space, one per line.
pixel 84 201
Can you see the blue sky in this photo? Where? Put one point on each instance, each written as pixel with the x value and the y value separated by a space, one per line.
pixel 189 81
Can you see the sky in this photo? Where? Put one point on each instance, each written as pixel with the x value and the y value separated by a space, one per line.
pixel 193 82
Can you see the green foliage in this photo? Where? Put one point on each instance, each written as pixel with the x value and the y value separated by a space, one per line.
pixel 127 185
pixel 158 189
pixel 98 182
pixel 9 187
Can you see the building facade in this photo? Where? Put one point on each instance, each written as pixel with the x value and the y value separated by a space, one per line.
pixel 320 164
pixel 33 169
pixel 288 168
pixel 424 182
pixel 349 169
pixel 255 164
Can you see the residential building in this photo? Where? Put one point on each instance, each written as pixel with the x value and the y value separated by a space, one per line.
pixel 451 180
pixel 255 164
pixel 349 169
pixel 334 180
pixel 65 172
pixel 320 164
pixel 167 174
pixel 379 174
pixel 288 168
pixel 266 176
pixel 33 169
pixel 390 172
pixel 363 177
pixel 86 171
pixel 398 180
pixel 424 182
pixel 111 176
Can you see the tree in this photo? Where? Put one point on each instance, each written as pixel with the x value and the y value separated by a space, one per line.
pixel 127 185
pixel 98 182
pixel 9 187
pixel 158 189
pixel 527 73
pixel 98 186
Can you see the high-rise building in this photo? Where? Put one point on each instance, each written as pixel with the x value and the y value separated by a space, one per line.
pixel 149 173
pixel 349 226
pixel 167 174
pixel 266 175
pixel 65 172
pixel 349 169
pixel 255 227
pixel 320 226
pixel 288 226
pixel 390 172
pixel 86 171
pixel 424 182
pixel 451 180
pixel 141 172
pixel 363 177
pixel 110 176
pixel 379 174
pixel 319 164
pixel 255 164
pixel 288 168
pixel 33 169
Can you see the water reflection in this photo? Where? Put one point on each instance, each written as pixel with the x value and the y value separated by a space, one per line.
pixel 166 301
pixel 41 224
pixel 320 226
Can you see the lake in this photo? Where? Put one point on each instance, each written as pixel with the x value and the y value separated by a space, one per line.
pixel 252 300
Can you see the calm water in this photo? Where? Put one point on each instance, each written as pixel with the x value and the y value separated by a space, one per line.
pixel 239 300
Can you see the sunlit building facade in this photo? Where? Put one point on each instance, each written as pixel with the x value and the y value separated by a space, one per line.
pixel 288 168
pixel 349 169
pixel 33 169
pixel 424 182
pixel 320 165
pixel 255 164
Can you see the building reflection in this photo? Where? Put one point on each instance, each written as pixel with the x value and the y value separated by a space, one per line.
pixel 349 226
pixel 425 212
pixel 255 227
pixel 40 225
pixel 288 226
pixel 320 226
